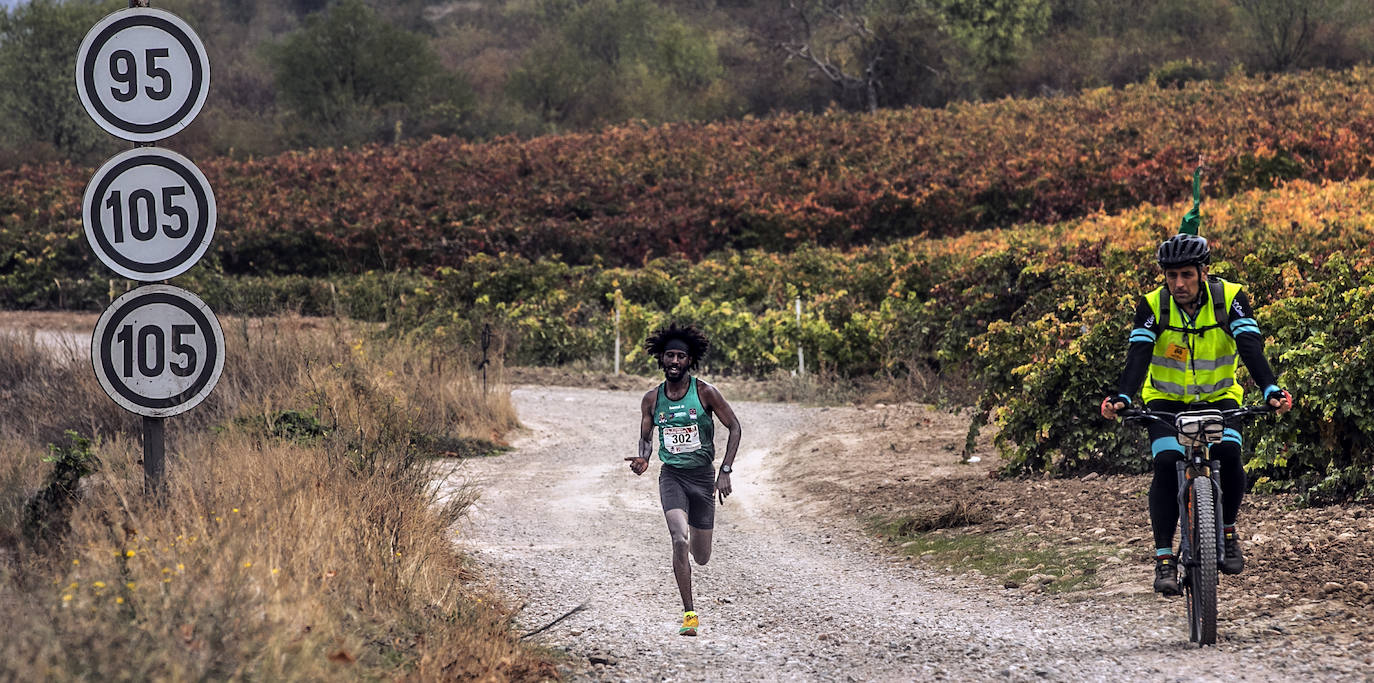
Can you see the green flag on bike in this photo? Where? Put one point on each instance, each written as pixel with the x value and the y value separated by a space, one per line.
pixel 1193 218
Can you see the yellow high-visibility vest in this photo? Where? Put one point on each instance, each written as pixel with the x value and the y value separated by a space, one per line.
pixel 1194 361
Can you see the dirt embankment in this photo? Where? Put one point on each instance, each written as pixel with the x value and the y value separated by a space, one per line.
pixel 1307 570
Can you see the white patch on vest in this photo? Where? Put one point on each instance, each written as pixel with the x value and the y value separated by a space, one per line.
pixel 682 439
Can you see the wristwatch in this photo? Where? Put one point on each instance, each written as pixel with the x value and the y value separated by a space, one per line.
pixel 725 469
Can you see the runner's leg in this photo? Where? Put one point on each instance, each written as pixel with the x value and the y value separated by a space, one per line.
pixel 701 545
pixel 682 566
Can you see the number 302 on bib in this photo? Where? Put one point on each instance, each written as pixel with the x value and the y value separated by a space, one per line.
pixel 682 439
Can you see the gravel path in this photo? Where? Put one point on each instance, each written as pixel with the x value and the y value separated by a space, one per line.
pixel 561 522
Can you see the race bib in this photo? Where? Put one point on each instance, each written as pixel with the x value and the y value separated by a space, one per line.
pixel 1176 352
pixel 682 439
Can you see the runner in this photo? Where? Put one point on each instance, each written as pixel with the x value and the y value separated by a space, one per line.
pixel 682 408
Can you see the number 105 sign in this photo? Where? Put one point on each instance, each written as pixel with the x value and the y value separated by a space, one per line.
pixel 158 350
pixel 149 214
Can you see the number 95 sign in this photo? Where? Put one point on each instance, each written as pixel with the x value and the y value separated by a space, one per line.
pixel 158 350
pixel 142 74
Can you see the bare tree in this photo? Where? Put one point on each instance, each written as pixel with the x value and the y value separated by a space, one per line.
pixel 1286 27
pixel 854 72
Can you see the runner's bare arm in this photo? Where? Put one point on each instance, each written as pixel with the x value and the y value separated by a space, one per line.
pixel 717 404
pixel 640 463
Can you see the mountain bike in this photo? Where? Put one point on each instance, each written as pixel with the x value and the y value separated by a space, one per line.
pixel 1202 542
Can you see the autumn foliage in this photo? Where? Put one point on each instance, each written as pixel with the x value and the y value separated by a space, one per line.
pixel 1038 315
pixel 634 192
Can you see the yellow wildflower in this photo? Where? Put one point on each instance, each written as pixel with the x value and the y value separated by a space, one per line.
pixel 67 598
pixel 99 584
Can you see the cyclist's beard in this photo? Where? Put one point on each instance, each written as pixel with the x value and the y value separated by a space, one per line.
pixel 673 374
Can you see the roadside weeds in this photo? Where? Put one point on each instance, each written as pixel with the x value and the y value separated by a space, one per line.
pixel 300 535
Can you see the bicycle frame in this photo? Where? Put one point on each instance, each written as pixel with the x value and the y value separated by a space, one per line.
pixel 1196 465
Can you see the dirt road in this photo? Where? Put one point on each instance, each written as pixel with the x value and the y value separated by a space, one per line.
pixel 789 594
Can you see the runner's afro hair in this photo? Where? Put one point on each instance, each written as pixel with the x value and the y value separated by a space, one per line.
pixel 697 343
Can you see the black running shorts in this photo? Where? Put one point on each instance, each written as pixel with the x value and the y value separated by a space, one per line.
pixel 692 490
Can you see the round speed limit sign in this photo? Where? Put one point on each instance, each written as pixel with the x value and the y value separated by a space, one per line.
pixel 142 74
pixel 149 214
pixel 158 350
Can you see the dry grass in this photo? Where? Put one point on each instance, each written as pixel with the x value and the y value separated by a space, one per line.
pixel 299 536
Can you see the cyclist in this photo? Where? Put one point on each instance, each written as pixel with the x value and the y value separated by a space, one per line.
pixel 1183 350
pixel 682 408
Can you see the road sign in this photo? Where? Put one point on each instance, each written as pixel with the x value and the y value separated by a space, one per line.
pixel 158 350
pixel 142 74
pixel 149 214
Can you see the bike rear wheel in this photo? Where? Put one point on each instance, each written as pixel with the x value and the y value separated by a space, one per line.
pixel 1202 574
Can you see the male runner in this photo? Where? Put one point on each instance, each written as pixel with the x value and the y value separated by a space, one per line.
pixel 682 408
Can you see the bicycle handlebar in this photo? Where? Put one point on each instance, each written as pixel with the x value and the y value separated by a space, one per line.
pixel 1133 414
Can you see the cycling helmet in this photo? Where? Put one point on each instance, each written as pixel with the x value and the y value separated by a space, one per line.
pixel 1184 250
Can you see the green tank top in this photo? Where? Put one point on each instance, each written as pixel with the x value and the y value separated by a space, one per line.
pixel 686 432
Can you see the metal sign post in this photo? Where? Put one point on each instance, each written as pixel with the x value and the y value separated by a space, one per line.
pixel 486 344
pixel 617 332
pixel 149 214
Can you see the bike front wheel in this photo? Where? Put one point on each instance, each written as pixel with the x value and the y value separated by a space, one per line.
pixel 1202 574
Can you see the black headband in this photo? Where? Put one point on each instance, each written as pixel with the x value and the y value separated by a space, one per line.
pixel 676 344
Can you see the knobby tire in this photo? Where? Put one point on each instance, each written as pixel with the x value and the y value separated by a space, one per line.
pixel 1202 579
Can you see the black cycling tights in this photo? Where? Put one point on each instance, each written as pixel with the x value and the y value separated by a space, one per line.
pixel 1164 490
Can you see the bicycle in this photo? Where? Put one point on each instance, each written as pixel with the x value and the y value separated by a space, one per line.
pixel 1202 541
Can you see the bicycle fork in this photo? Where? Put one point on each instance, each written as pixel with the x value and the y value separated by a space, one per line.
pixel 1187 554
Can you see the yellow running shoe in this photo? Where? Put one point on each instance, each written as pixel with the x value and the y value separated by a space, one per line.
pixel 689 624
